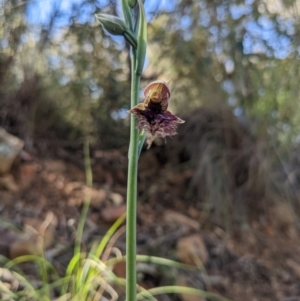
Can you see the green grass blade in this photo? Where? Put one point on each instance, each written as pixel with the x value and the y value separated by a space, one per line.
pixel 181 290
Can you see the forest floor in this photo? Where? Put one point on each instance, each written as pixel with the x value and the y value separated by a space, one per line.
pixel 253 264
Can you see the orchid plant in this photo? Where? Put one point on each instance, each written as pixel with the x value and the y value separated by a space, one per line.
pixel 149 117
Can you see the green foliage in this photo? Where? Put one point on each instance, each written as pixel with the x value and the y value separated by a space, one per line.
pixel 193 73
pixel 231 54
pixel 61 84
pixel 68 84
pixel 214 48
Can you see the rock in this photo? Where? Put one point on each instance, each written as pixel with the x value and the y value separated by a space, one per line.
pixel 57 166
pixel 192 250
pixel 174 218
pixel 8 182
pixel 116 198
pixel 97 195
pixel 77 192
pixel 294 266
pixel 283 220
pixel 27 175
pixel 119 269
pixel 111 214
pixel 10 147
pixel 38 235
pixel 71 187
pixel 194 213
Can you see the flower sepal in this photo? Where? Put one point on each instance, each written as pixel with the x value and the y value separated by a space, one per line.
pixel 117 27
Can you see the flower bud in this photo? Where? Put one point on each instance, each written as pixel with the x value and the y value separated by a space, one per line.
pixel 132 3
pixel 112 24
pixel 142 39
pixel 127 13
pixel 117 27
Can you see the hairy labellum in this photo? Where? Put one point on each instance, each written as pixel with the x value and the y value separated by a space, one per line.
pixel 152 115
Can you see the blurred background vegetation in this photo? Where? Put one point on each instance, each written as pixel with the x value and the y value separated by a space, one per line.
pixel 234 71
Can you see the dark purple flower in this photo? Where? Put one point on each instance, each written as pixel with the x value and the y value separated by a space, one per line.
pixel 152 115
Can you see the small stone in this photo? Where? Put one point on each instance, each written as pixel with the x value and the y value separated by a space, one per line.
pixel 55 166
pixel 174 218
pixel 70 187
pixel 10 147
pixel 8 182
pixel 27 175
pixel 119 269
pixel 294 266
pixel 192 250
pixel 116 198
pixel 38 235
pixel 97 195
pixel 283 220
pixel 111 214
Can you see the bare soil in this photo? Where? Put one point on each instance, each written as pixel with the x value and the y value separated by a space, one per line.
pixel 255 261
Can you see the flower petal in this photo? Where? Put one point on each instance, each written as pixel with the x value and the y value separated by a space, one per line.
pixel 178 120
pixel 135 110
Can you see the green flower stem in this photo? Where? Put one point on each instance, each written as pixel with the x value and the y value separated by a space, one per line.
pixel 132 189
